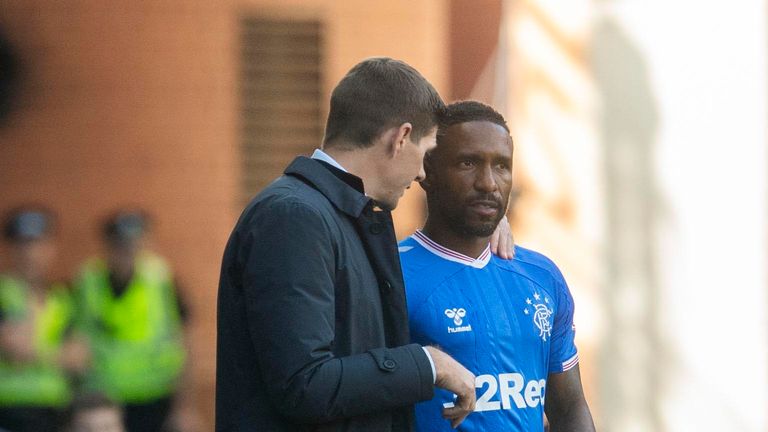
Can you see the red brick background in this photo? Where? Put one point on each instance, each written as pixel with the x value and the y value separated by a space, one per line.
pixel 135 103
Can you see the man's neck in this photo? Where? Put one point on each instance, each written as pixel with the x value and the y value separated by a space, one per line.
pixel 358 162
pixel 470 246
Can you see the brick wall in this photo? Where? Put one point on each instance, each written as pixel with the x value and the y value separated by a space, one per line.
pixel 135 103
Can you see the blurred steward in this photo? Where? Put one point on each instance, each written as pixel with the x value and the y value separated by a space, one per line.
pixel 37 345
pixel 95 412
pixel 133 318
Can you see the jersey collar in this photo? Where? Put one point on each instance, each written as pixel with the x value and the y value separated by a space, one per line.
pixel 450 255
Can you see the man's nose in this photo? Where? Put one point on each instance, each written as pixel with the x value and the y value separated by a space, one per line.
pixel 422 174
pixel 485 180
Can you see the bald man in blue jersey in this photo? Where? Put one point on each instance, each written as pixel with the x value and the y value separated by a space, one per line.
pixel 510 322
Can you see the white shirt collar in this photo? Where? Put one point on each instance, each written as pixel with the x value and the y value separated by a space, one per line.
pixel 325 157
pixel 450 255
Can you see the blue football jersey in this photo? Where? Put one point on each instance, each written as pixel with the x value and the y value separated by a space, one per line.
pixel 510 322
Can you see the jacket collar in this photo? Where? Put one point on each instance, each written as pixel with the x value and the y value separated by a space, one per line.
pixel 338 189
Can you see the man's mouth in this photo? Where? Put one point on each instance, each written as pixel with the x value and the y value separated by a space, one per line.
pixel 485 207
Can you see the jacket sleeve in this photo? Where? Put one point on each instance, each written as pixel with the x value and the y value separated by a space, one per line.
pixel 289 265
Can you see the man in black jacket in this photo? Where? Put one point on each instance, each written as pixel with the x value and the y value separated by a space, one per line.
pixel 312 320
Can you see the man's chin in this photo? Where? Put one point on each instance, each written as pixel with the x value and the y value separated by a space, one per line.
pixel 485 229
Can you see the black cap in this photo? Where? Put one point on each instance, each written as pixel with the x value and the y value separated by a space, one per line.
pixel 26 224
pixel 126 225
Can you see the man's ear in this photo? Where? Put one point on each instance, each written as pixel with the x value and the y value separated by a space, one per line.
pixel 401 138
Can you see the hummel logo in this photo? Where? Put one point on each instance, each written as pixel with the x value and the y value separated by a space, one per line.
pixel 456 314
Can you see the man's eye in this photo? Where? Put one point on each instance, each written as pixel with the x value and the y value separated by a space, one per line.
pixel 467 164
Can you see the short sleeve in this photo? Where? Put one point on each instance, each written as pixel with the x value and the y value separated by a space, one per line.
pixel 563 354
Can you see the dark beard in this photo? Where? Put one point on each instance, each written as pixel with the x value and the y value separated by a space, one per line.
pixel 485 229
pixel 482 229
pixel 457 221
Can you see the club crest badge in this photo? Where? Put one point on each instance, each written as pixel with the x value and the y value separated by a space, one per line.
pixel 541 313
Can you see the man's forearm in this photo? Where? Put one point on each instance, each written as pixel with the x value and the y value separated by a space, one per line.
pixel 378 380
pixel 566 407
pixel 575 418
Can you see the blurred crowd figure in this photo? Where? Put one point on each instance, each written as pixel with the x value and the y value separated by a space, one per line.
pixel 104 353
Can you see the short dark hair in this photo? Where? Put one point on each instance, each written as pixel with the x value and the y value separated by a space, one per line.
pixel 469 111
pixel 30 222
pixel 377 94
pixel 125 225
pixel 463 112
